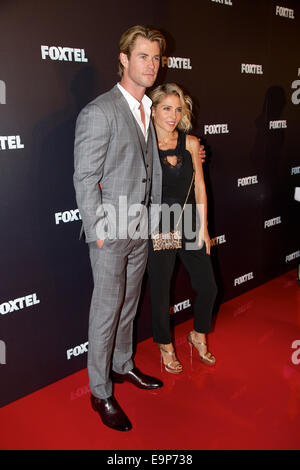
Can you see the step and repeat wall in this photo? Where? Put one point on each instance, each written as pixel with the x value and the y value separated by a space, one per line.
pixel 239 61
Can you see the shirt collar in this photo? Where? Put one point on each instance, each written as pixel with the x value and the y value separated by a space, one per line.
pixel 134 103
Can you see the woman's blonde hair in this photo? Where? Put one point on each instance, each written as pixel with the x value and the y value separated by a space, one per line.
pixel 129 37
pixel 161 91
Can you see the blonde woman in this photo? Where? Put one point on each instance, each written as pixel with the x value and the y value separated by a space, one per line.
pixel 179 156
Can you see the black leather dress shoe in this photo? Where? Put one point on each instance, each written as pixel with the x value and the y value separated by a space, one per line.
pixel 137 378
pixel 111 413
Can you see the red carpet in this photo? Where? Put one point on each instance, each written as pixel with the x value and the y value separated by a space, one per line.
pixel 250 400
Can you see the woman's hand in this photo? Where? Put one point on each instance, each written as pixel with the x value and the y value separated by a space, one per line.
pixel 204 238
pixel 202 153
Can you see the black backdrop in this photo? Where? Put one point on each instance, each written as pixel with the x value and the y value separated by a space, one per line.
pixel 242 70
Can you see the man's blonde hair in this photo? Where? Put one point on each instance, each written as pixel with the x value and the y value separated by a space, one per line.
pixel 129 37
pixel 161 91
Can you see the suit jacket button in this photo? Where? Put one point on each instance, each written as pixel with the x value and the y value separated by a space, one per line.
pixel 144 180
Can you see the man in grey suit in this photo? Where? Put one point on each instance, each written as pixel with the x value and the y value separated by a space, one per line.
pixel 117 176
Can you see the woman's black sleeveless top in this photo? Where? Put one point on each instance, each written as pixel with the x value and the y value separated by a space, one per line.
pixel 176 179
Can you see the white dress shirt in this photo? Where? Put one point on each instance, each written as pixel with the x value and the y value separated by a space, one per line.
pixel 134 107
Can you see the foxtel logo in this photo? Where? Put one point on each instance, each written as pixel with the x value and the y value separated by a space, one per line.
pixel 176 62
pixel 67 216
pixel 67 54
pixel 278 124
pixel 295 170
pixel 19 304
pixel 224 2
pixel 77 350
pixel 252 69
pixel 218 240
pixel 10 142
pixel 271 222
pixel 285 12
pixel 248 180
pixel 292 256
pixel 244 278
pixel 216 129
pixel 181 306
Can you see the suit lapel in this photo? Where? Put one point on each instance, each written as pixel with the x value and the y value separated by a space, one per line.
pixel 153 134
pixel 140 135
pixel 124 108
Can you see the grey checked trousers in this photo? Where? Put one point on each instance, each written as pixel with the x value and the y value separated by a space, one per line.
pixel 118 269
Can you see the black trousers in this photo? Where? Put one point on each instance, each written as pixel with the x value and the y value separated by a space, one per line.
pixel 160 269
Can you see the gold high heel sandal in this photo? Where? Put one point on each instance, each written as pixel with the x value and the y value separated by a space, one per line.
pixel 177 366
pixel 207 358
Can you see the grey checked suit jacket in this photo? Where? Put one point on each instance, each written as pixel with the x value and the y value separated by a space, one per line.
pixel 110 152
